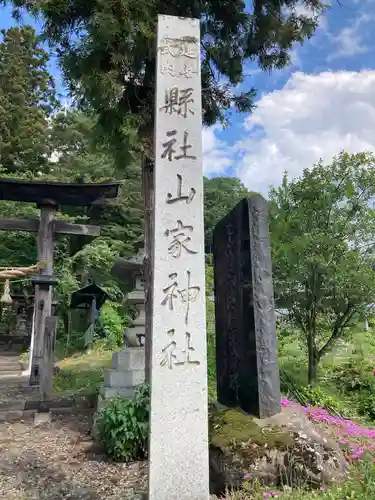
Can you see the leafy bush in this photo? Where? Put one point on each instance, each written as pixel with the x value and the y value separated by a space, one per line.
pixel 123 426
pixel 113 324
pixel 318 397
pixel 354 375
pixel 367 405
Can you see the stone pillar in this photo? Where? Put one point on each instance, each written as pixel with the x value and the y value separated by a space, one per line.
pixel 178 442
pixel 246 351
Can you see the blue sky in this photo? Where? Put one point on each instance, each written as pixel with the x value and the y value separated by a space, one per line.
pixel 322 103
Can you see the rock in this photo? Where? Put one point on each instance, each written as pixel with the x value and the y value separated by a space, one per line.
pixel 139 496
pixel 287 449
pixel 24 366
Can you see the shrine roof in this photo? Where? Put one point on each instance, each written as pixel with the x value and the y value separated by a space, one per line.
pixel 59 193
pixel 85 295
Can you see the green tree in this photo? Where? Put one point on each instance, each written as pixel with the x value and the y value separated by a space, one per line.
pixel 221 194
pixel 111 67
pixel 27 99
pixel 80 156
pixel 323 237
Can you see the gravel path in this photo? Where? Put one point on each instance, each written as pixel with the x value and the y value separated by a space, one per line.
pixel 59 461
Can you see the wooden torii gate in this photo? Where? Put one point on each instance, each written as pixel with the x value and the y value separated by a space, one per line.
pixel 48 196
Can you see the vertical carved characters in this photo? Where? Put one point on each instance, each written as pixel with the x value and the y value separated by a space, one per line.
pixel 179 57
pixel 178 344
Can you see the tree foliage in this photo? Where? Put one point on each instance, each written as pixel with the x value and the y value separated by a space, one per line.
pixel 27 99
pixel 221 194
pixel 323 237
pixel 107 51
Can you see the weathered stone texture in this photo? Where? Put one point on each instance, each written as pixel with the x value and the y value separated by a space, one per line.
pixel 246 351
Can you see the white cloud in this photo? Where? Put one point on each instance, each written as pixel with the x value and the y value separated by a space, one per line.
pixel 311 117
pixel 216 155
pixel 349 41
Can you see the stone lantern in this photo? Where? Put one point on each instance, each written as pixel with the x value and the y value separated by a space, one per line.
pixel 131 271
pixel 128 365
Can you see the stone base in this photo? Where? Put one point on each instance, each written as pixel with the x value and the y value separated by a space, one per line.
pixel 41 418
pixel 112 392
pixel 287 448
pixel 127 373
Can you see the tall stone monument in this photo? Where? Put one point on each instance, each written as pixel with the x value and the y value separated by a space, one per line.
pixel 178 444
pixel 246 352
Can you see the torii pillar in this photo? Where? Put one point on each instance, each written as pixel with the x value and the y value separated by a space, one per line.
pixel 43 290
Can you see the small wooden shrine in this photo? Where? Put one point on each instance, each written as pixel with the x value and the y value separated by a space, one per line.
pixel 90 298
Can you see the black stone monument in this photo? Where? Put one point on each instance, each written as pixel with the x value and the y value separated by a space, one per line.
pixel 246 349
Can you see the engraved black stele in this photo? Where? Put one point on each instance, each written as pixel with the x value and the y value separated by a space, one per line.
pixel 177 101
pixel 169 150
pixel 180 241
pixel 188 198
pixel 169 355
pixel 187 295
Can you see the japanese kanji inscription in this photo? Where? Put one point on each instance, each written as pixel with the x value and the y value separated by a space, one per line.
pixel 180 242
pixel 172 355
pixel 169 144
pixel 178 101
pixel 179 57
pixel 188 198
pixel 178 345
pixel 186 295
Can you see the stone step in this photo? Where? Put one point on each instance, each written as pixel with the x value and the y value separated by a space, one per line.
pixel 114 378
pixel 131 358
pixel 10 373
pixel 9 365
pixel 112 392
pixel 28 404
pixel 9 416
pixel 9 354
pixel 16 415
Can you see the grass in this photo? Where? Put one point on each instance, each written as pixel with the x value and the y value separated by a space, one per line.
pixel 82 373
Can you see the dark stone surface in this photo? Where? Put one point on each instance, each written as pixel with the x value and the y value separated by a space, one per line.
pixel 246 350
pixel 57 193
pixel 44 280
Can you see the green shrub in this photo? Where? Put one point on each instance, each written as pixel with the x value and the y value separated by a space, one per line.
pixel 122 426
pixel 24 356
pixel 366 405
pixel 319 397
pixel 113 324
pixel 354 375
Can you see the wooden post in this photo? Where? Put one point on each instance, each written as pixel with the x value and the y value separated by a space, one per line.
pixel 43 294
pixel 93 316
pixel 148 195
pixel 46 373
pixel 31 351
